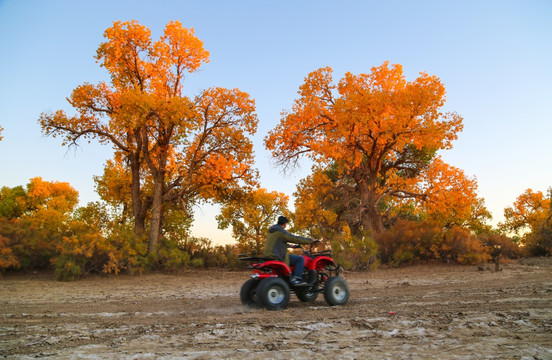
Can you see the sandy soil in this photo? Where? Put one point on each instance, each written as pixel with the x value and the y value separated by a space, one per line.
pixel 440 312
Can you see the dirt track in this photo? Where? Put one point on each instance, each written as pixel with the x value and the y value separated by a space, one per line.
pixel 440 312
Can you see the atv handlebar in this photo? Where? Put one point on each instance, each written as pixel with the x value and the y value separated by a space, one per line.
pixel 310 252
pixel 313 243
pixel 298 246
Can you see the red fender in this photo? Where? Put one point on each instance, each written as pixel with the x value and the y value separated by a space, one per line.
pixel 278 267
pixel 319 263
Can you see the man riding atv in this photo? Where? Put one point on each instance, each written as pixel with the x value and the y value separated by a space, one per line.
pixel 273 279
pixel 276 247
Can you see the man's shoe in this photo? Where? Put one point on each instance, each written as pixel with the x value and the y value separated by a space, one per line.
pixel 298 282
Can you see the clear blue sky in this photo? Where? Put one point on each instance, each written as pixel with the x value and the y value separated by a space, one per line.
pixel 494 58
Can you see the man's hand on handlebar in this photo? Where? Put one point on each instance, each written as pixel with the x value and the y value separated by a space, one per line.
pixel 314 242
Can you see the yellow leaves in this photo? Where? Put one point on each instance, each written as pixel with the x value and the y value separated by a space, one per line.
pixel 115 184
pixel 378 130
pixel 122 55
pixel 47 231
pixel 89 99
pixel 374 115
pixel 218 171
pixel 178 51
pixel 531 202
pixel 219 168
pixel 161 134
pixel 250 216
pixel 530 211
pixel 93 103
pixel 313 205
pixel 221 107
pixel 7 257
pixel 134 61
pixel 317 85
pixel 1 129
pixel 35 220
pixel 385 79
pixel 184 48
pixel 452 197
pixel 59 196
pixel 530 218
pixel 217 152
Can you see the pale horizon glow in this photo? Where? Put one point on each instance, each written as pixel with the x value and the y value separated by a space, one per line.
pixel 494 58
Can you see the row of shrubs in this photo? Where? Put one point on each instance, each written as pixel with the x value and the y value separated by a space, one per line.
pixel 409 242
pixel 41 228
pixel 78 250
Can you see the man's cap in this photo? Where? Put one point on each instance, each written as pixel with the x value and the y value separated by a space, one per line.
pixel 282 220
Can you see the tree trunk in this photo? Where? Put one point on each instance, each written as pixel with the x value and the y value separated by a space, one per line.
pixel 370 218
pixel 137 211
pixel 496 260
pixel 156 216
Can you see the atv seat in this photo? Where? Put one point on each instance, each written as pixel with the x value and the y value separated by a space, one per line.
pixel 253 257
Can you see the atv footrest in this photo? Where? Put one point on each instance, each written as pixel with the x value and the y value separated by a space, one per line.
pixel 301 285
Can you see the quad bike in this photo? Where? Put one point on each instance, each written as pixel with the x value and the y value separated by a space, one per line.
pixel 270 285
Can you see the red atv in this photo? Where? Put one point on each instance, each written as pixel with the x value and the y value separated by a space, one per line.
pixel 270 284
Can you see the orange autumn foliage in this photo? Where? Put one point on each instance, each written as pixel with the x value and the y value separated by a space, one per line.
pixel 316 203
pixel 7 257
pixel 169 148
pixel 452 197
pixel 59 196
pixel 33 221
pixel 250 215
pixel 40 228
pixel 378 131
pixel 410 242
pixel 530 218
pixel 528 211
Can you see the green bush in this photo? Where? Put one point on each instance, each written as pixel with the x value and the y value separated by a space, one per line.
pixel 403 256
pixel 197 262
pixel 355 252
pixel 67 269
pixel 171 257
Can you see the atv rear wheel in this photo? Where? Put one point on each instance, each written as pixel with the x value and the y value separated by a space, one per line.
pixel 336 291
pixel 248 293
pixel 306 294
pixel 273 294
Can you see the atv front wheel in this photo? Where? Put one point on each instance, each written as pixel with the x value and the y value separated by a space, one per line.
pixel 248 293
pixel 336 291
pixel 273 294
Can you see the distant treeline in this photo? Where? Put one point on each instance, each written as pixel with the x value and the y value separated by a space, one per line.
pixel 42 228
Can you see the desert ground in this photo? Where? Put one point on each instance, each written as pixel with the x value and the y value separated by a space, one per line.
pixel 419 312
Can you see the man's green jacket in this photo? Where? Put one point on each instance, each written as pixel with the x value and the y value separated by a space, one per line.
pixel 276 243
